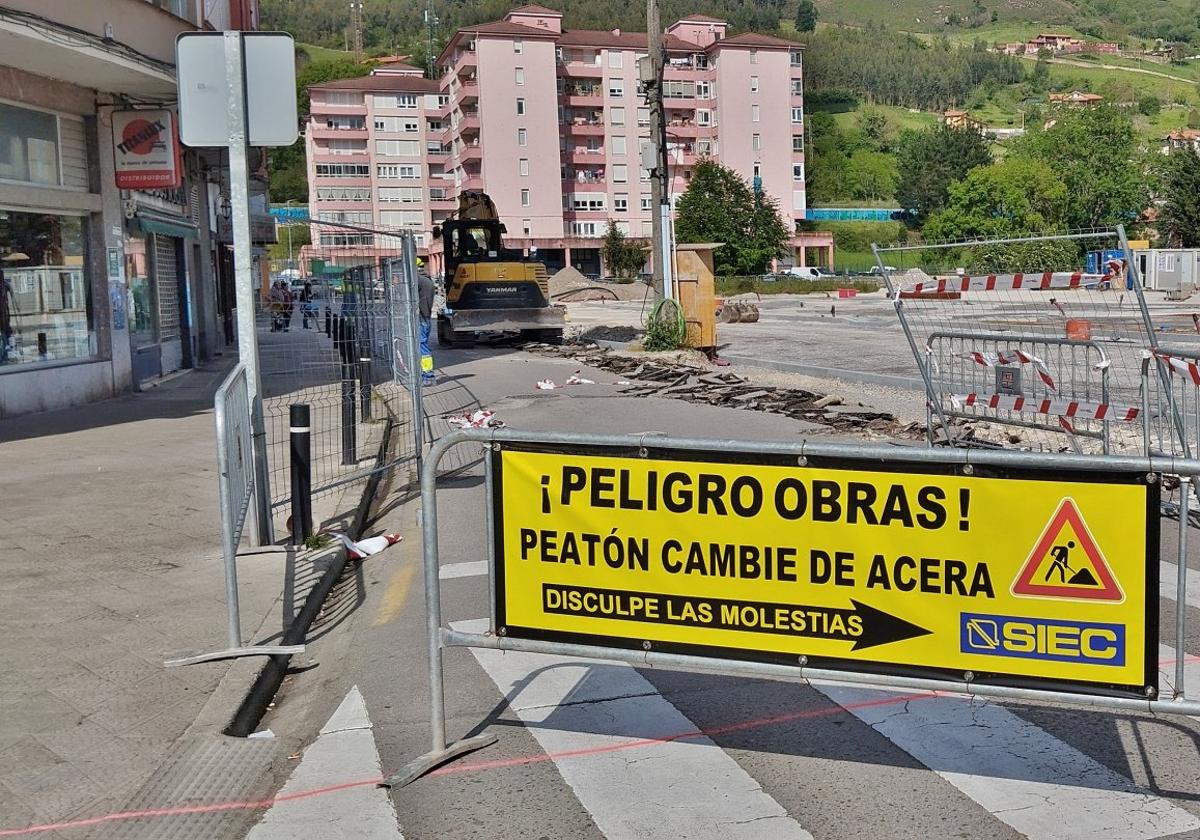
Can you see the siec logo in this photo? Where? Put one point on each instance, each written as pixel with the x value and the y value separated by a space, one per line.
pixel 1056 640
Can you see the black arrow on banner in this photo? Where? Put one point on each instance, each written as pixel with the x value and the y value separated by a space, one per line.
pixel 874 627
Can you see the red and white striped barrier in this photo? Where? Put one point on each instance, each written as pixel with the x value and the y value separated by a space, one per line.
pixel 1012 357
pixel 1061 408
pixel 1183 367
pixel 1009 282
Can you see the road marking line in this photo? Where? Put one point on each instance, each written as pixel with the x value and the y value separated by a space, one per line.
pixel 345 749
pixel 392 603
pixel 473 568
pixel 572 704
pixel 1167 580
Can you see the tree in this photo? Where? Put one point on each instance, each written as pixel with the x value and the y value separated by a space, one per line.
pixel 806 16
pixel 1149 105
pixel 928 162
pixel 1179 213
pixel 1094 151
pixel 1016 196
pixel 871 176
pixel 719 206
pixel 623 257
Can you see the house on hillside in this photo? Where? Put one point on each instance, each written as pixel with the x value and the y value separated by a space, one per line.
pixel 1181 139
pixel 1106 47
pixel 1054 43
pixel 962 119
pixel 1076 98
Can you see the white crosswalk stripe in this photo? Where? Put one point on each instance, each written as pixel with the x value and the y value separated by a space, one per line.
pixel 472 568
pixel 343 764
pixel 674 788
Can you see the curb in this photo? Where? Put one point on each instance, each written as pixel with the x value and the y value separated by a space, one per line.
pixel 859 376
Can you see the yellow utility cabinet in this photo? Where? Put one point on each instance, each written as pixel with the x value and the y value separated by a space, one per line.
pixel 695 291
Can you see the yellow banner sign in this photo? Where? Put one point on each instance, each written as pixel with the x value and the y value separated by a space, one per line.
pixel 1018 577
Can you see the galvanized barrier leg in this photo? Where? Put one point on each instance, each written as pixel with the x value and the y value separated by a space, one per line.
pixel 1185 492
pixel 440 752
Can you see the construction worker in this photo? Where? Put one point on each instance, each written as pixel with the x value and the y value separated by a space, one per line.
pixel 425 304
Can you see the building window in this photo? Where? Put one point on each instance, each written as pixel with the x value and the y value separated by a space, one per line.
pixel 620 173
pixel 753 113
pixel 390 171
pixel 617 144
pixel 797 171
pixel 797 142
pixel 754 84
pixel 524 198
pixel 616 87
pixel 758 170
pixel 795 59
pixel 754 56
pixel 703 117
pixel 522 137
pixel 343 193
pixel 797 116
pixel 47 287
pixel 616 59
pixel 29 146
pixel 756 142
pixel 703 90
pixel 518 46
pixel 397 148
pixel 346 123
pixel 395 100
pixel 616 116
pixel 520 107
pixel 645 202
pixel 643 116
pixel 523 167
pixel 520 74
pixel 797 87
pixel 621 202
pixel 527 226
pixel 588 201
pixel 342 97
pixel 401 195
pixel 402 218
pixel 343 170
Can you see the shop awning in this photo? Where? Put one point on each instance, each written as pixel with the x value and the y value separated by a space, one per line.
pixel 167 227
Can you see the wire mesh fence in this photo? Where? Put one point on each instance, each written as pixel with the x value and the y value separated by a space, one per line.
pixel 1039 343
pixel 347 346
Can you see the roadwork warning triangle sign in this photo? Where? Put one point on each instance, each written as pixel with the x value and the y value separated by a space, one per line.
pixel 1067 563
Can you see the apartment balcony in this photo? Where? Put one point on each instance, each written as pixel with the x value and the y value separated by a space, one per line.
pixel 342 181
pixel 689 73
pixel 327 156
pixel 438 154
pixel 588 177
pixel 468 91
pixel 468 154
pixel 320 131
pixel 679 128
pixel 443 202
pixel 581 70
pixel 466 61
pixel 585 128
pixel 685 103
pixel 469 124
pixel 472 182
pixel 583 97
pixel 585 157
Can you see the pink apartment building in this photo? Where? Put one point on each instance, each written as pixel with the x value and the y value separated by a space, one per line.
pixel 551 122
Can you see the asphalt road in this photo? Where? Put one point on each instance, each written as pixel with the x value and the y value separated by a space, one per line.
pixel 602 749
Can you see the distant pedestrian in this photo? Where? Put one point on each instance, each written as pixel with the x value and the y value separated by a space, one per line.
pixel 425 307
pixel 289 304
pixel 278 306
pixel 306 304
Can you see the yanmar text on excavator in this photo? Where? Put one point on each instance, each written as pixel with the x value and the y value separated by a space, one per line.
pixel 489 287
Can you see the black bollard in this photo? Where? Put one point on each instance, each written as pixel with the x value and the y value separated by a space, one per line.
pixel 301 473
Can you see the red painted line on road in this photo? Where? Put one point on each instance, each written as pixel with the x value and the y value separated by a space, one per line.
pixel 262 804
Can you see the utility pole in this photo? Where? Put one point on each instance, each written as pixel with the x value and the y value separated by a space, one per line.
pixel 655 160
pixel 431 23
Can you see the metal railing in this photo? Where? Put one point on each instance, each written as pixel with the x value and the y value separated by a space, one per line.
pixel 961 461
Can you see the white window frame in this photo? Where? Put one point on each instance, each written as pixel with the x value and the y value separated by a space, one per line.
pixel 797 171
pixel 756 142
pixel 522 137
pixel 526 198
pixel 797 116
pixel 754 84
pixel 797 142
pixel 754 113
pixel 621 203
pixel 616 59
pixel 518 46
pixel 620 173
pixel 754 56
pixel 617 145
pixel 519 76
pixel 616 87
pixel 523 167
pixel 616 116
pixel 520 106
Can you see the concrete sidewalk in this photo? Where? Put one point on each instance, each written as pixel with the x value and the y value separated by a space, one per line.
pixel 112 561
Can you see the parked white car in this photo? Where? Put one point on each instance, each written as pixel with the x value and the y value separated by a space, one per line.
pixel 809 273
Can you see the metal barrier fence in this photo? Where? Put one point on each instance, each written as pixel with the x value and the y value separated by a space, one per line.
pixel 967 464
pixel 349 354
pixel 1059 351
pixel 232 414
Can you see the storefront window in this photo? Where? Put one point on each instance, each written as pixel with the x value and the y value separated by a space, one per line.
pixel 28 145
pixel 45 296
pixel 142 303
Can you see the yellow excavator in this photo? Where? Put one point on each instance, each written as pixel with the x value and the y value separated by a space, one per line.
pixel 488 287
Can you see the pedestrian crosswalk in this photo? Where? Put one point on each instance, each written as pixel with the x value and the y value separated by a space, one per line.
pixel 640 767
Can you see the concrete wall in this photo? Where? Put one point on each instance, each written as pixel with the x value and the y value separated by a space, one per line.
pixel 146 28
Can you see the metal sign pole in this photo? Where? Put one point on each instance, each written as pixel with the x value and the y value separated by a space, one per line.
pixel 239 200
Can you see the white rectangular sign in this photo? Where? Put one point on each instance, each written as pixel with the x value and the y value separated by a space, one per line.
pixel 270 69
pixel 145 150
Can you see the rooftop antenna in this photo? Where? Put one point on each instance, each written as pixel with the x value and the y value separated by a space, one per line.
pixel 356 27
